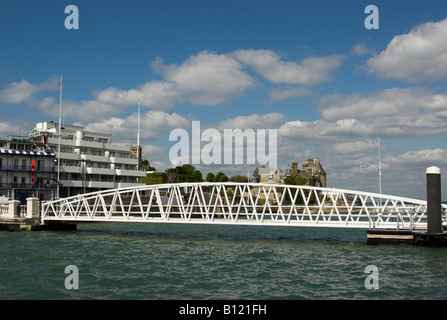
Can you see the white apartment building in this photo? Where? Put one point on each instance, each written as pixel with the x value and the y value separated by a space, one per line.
pixel 88 160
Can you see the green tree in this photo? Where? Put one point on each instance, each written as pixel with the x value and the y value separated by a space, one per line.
pixel 184 173
pixel 210 177
pixel 239 178
pixel 156 178
pixel 188 169
pixel 197 176
pixel 221 177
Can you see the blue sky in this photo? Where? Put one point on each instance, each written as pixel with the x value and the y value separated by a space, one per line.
pixel 309 69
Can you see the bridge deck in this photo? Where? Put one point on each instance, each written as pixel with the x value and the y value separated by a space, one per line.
pixel 243 204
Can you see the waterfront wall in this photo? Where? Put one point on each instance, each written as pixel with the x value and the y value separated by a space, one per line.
pixel 13 216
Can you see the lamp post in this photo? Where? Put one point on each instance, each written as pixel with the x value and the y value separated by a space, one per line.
pixel 380 173
pixel 379 169
pixel 84 173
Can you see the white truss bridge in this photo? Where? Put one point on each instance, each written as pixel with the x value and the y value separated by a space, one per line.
pixel 243 204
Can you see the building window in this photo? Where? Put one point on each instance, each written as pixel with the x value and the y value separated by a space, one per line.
pixel 23 164
pixel 66 150
pixel 16 164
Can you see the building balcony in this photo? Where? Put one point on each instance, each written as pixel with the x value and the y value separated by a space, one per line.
pixel 54 141
pixel 69 156
pixel 29 186
pixel 130 173
pixel 94 158
pixel 119 160
pixel 128 184
pixel 88 184
pixel 70 169
pixel 104 171
pixel 26 168
pixel 90 144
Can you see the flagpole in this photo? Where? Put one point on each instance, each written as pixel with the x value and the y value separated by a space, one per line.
pixel 380 168
pixel 59 142
pixel 138 137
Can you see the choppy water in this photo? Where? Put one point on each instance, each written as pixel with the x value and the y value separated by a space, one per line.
pixel 169 261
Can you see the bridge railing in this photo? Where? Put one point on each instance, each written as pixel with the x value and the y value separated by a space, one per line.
pixel 243 203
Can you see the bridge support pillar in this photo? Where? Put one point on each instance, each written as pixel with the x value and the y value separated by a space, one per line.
pixel 32 208
pixel 434 221
pixel 14 209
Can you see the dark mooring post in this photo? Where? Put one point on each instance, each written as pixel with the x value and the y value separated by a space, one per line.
pixel 434 223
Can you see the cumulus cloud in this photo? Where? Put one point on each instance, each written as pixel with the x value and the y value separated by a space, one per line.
pixel 6 129
pixel 279 94
pixel 268 64
pixel 154 153
pixel 206 78
pixel 361 49
pixel 83 110
pixel 355 148
pixel 254 121
pixel 153 124
pixel 420 55
pixel 18 92
pixel 159 95
pixel 390 113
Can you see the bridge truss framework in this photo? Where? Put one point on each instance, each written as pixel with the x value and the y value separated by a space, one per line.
pixel 243 204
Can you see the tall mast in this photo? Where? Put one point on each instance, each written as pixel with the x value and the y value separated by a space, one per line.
pixel 59 135
pixel 138 137
pixel 380 168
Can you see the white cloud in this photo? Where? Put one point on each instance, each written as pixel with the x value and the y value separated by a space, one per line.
pixel 18 92
pixel 389 113
pixel 417 56
pixel 155 94
pixel 254 121
pixel 6 129
pixel 279 94
pixel 361 49
pixel 425 157
pixel 84 110
pixel 311 71
pixel 153 153
pixel 206 78
pixel 354 149
pixel 153 124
